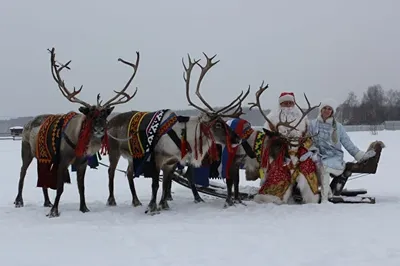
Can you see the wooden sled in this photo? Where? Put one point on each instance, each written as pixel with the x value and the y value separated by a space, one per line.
pixel 340 195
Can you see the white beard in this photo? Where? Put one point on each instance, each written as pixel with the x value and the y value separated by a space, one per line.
pixel 290 113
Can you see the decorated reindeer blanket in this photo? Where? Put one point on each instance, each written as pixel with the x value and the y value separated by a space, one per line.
pixel 144 131
pixel 48 149
pixel 227 156
pixel 282 173
pixel 243 129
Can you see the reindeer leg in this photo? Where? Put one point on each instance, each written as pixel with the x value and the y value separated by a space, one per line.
pixel 236 181
pixel 27 158
pixel 47 202
pixel 229 184
pixel 113 158
pixel 169 191
pixel 80 176
pixel 189 175
pixel 152 207
pixel 135 200
pixel 62 167
pixel 167 180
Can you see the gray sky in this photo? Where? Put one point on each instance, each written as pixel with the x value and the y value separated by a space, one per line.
pixel 322 48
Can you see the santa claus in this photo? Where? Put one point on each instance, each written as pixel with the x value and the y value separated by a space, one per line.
pixel 294 167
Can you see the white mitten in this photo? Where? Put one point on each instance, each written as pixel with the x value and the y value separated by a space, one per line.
pixel 315 158
pixel 305 156
pixel 367 155
pixel 313 153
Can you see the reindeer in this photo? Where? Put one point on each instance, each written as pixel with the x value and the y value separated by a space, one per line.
pixel 255 144
pixel 197 134
pixel 66 139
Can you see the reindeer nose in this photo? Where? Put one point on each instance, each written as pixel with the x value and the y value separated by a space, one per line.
pixel 99 130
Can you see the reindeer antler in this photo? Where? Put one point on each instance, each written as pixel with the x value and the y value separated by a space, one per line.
pixel 305 113
pixel 71 96
pixel 204 69
pixel 124 96
pixel 55 71
pixel 258 104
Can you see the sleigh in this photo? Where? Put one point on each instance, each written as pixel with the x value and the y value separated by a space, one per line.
pixel 340 193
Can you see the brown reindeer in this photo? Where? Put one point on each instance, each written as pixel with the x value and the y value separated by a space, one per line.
pixel 57 141
pixel 162 139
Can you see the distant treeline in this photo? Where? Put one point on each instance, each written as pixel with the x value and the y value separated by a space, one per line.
pixel 375 107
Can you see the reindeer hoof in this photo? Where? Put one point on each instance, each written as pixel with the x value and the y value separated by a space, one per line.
pixel 53 213
pixel 152 209
pixel 164 205
pixel 169 197
pixel 47 204
pixel 18 203
pixel 239 201
pixel 84 209
pixel 136 203
pixel 228 203
pixel 111 201
pixel 198 200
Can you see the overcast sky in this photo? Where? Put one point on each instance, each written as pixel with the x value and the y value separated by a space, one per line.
pixel 322 48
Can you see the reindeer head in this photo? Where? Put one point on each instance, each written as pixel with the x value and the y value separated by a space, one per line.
pixel 211 122
pixel 96 114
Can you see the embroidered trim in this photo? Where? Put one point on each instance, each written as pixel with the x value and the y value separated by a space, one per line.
pixel 135 146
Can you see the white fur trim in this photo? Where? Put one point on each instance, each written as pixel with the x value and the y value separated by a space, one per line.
pixel 328 102
pixel 265 198
pixel 359 155
pixel 286 98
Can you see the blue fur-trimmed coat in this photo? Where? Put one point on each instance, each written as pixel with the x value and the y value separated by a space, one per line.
pixel 331 154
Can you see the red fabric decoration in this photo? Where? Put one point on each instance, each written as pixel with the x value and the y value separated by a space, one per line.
pixel 104 144
pixel 84 137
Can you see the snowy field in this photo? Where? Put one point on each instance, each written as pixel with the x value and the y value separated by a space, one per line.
pixel 192 234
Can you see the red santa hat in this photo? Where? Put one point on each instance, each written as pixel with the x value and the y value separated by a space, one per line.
pixel 286 97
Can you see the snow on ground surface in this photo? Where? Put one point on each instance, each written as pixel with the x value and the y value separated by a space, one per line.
pixel 192 234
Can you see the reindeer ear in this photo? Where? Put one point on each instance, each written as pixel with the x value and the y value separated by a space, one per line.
pixel 269 133
pixel 109 110
pixel 84 110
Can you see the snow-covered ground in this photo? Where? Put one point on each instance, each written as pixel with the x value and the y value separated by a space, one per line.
pixel 198 234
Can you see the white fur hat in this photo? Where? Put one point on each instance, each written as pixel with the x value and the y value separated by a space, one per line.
pixel 328 102
pixel 286 97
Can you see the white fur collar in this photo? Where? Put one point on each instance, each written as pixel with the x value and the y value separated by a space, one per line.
pixel 329 120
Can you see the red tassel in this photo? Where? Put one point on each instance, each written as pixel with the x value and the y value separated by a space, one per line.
pixel 183 147
pixel 84 138
pixel 104 144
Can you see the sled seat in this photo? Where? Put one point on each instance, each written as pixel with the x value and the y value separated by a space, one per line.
pixel 369 166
